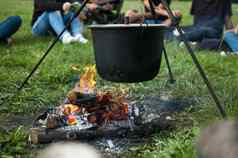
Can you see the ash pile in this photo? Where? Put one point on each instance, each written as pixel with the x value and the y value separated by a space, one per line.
pixel 87 115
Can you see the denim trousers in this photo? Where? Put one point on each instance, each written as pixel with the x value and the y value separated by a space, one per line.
pixel 9 26
pixel 232 40
pixel 153 21
pixel 54 22
pixel 204 27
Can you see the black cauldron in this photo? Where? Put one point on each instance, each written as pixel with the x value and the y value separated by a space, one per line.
pixel 128 52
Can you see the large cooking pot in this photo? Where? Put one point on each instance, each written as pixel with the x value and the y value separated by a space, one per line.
pixel 128 52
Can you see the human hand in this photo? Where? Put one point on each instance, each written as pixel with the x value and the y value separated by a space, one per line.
pixel 92 6
pixel 177 13
pixel 66 6
pixel 133 16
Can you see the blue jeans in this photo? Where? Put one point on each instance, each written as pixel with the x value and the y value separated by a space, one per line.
pixel 54 22
pixel 204 27
pixel 232 40
pixel 153 21
pixel 9 26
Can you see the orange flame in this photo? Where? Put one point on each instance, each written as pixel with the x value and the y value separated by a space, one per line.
pixel 87 83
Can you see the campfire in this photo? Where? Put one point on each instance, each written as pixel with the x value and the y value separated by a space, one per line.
pixel 84 105
pixel 87 113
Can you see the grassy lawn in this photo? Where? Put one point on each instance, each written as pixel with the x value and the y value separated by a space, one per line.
pixel 54 78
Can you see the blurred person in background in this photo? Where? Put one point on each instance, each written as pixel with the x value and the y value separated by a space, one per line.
pixel 69 150
pixel 209 19
pixel 51 16
pixel 219 140
pixel 231 39
pixel 161 14
pixel 8 27
pixel 102 11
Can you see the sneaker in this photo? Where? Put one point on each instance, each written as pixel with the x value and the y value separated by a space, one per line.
pixel 223 53
pixel 79 38
pixel 67 38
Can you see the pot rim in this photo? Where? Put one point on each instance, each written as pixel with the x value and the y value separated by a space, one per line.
pixel 112 26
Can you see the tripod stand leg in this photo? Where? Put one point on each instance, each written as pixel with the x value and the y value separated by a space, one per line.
pixel 195 61
pixel 202 73
pixel 171 78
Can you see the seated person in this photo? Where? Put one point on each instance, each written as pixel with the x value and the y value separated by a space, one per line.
pixel 8 27
pixel 102 11
pixel 133 16
pixel 210 16
pixel 50 16
pixel 231 39
pixel 161 16
pixel 161 13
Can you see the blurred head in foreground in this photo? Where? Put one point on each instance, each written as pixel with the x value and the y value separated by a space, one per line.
pixel 69 150
pixel 219 141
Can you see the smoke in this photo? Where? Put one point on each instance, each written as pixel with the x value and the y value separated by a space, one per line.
pixel 69 150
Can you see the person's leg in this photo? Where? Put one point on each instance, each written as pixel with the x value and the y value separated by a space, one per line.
pixel 9 27
pixel 200 33
pixel 42 26
pixel 153 21
pixel 76 27
pixel 211 26
pixel 205 27
pixel 186 29
pixel 56 21
pixel 232 40
pixel 193 34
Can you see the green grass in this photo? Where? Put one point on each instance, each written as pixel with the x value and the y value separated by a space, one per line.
pixel 52 80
